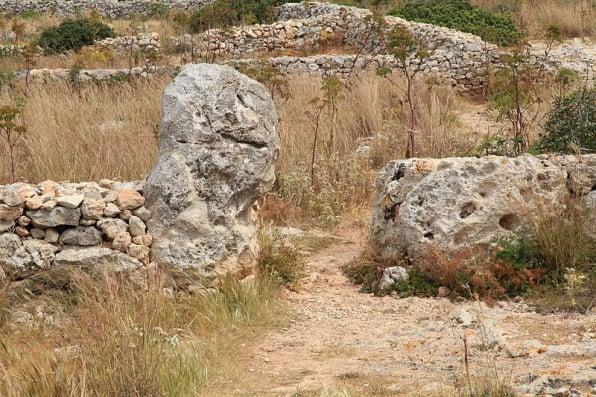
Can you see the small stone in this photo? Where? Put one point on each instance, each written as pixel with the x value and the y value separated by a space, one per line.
pixel 8 213
pixel 71 202
pixel 48 205
pixel 24 221
pixel 57 216
pixel 5 225
pixel 93 207
pixel 87 222
pixel 125 215
pixel 81 235
pixel 129 199
pixel 145 239
pixel 121 241
pixel 111 210
pixel 11 198
pixel 443 292
pixel 52 236
pixel 142 213
pixel 21 231
pixel 38 234
pixel 137 227
pixel 139 252
pixel 33 203
pixel 112 226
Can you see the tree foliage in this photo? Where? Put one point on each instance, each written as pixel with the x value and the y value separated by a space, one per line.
pixel 571 125
pixel 73 34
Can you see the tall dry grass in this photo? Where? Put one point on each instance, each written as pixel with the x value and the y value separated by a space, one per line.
pixel 368 129
pixel 92 131
pixel 110 336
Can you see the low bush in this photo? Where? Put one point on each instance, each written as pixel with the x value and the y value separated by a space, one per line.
pixel 462 15
pixel 224 13
pixel 571 125
pixel 279 261
pixel 73 34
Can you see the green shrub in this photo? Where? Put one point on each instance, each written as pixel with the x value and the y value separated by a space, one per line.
pixel 225 13
pixel 462 15
pixel 73 34
pixel 278 260
pixel 571 121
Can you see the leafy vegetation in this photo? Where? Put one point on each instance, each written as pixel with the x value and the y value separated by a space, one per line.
pixel 571 126
pixel 464 16
pixel 225 13
pixel 73 34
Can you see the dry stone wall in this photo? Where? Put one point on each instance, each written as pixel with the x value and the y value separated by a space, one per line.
pixel 107 8
pixel 53 224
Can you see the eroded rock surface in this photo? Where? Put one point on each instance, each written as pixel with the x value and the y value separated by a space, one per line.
pixel 448 205
pixel 217 146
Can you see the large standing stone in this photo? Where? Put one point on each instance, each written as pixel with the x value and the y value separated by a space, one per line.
pixel 217 151
pixel 448 205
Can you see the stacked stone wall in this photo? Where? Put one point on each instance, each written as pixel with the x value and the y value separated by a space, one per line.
pixel 52 224
pixel 107 8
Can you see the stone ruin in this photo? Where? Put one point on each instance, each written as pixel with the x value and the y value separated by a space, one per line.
pixel 218 148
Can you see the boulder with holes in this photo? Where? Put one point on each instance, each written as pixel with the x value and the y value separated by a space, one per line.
pixel 426 207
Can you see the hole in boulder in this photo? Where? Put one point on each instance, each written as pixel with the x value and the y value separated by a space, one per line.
pixel 509 221
pixel 429 235
pixel 482 194
pixel 466 210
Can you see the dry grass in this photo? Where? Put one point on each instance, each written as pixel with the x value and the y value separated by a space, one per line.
pixel 82 134
pixel 371 116
pixel 117 339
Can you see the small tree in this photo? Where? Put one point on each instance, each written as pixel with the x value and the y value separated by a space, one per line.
pixel 11 131
pixel 268 75
pixel 409 54
pixel 514 93
pixel 571 124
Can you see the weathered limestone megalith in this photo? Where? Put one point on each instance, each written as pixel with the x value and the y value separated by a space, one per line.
pixel 217 150
pixel 452 204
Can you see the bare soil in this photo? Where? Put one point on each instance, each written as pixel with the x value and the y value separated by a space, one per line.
pixel 342 339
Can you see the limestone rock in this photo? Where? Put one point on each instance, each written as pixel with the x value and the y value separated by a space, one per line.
pixel 8 213
pixel 52 235
pixel 129 199
pixel 142 213
pixel 217 146
pixel 121 241
pixel 137 227
pixel 81 235
pixel 111 210
pixel 141 252
pixel 71 202
pixel 57 216
pixel 23 259
pixel 112 226
pixel 455 204
pixel 391 275
pixel 103 258
pixel 5 225
pixel 93 207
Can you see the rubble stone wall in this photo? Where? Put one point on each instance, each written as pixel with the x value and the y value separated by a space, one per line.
pixel 51 224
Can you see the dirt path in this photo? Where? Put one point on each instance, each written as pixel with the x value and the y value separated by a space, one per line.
pixel 340 339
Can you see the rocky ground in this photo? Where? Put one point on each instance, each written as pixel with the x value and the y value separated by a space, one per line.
pixel 340 338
